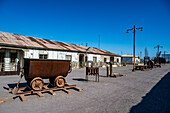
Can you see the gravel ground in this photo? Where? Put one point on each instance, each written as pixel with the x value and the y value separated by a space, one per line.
pixel 138 92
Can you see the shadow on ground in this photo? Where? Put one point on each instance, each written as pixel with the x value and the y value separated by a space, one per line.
pixel 79 79
pixel 157 100
pixel 11 86
pixel 20 85
pixel 84 80
pixel 102 76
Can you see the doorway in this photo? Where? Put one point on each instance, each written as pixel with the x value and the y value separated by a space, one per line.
pixel 81 60
pixel 2 56
pixel 112 59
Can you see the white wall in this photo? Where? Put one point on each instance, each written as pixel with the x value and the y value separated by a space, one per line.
pixel 52 54
pixel 137 60
pixel 107 58
pixel 61 55
pixel 115 59
pixel 90 57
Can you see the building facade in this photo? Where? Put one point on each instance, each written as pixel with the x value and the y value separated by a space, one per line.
pixel 14 48
pixel 129 59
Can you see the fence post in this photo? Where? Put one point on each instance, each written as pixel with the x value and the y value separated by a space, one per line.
pixel 110 69
pixel 108 74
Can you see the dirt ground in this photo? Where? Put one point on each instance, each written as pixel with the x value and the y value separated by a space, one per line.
pixel 138 92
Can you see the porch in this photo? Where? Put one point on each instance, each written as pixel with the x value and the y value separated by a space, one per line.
pixel 10 60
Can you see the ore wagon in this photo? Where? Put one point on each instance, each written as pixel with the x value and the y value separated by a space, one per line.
pixel 35 70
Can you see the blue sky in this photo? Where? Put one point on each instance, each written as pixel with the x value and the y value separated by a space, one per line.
pixel 81 21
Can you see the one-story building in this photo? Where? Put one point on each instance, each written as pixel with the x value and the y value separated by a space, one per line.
pixel 15 47
pixel 128 59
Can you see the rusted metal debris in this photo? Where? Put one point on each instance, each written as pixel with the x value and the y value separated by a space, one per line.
pixel 45 68
pixel 23 91
pixel 1 101
pixel 141 67
pixel 117 75
pixel 35 70
pixel 32 42
pixel 110 73
pixel 150 64
pixel 92 71
pixel 157 65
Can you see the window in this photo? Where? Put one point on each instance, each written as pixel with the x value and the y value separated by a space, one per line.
pixel 68 57
pixel 13 57
pixel 105 59
pixel 43 56
pixel 94 59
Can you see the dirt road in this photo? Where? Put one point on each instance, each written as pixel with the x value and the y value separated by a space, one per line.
pixel 138 92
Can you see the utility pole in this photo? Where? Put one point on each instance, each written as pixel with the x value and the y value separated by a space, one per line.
pixel 86 57
pixel 134 29
pixel 99 40
pixel 158 46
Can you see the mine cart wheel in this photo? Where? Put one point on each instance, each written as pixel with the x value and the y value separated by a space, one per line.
pixel 59 81
pixel 37 83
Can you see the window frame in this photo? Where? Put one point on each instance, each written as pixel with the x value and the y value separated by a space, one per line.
pixel 43 56
pixel 70 57
pixel 94 57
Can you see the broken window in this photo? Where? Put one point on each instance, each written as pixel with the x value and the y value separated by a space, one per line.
pixel 94 59
pixel 68 57
pixel 43 56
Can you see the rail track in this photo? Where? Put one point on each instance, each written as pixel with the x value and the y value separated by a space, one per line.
pixel 24 91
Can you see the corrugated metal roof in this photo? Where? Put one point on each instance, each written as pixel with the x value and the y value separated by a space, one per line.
pixel 129 56
pixel 32 42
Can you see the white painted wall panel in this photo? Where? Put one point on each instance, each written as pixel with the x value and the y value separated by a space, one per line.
pixel 90 57
pixel 61 55
pixel 119 59
pixel 74 55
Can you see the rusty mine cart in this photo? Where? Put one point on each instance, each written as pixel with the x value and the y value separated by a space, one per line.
pixel 35 70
